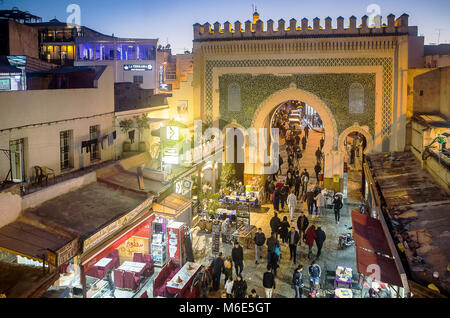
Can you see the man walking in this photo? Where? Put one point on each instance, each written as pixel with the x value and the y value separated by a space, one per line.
pixel 337 203
pixel 259 239
pixel 318 154
pixel 317 170
pixel 297 280
pixel 307 130
pixel 268 281
pixel 217 269
pixel 204 279
pixel 275 224
pixel 237 254
pixel 294 238
pixel 304 143
pixel 302 224
pixel 272 243
pixel 292 204
pixel 310 201
pixel 320 239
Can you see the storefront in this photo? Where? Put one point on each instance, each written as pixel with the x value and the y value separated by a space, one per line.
pixel 119 253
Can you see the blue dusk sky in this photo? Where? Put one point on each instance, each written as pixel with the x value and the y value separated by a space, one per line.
pixel 171 20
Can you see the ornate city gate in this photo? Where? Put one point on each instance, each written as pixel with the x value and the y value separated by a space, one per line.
pixel 353 77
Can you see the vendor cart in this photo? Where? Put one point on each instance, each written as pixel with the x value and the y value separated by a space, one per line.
pixel 244 235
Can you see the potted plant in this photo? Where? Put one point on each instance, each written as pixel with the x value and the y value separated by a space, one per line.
pixel 125 126
pixel 142 124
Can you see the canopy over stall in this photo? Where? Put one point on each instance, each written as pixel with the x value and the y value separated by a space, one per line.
pixel 373 255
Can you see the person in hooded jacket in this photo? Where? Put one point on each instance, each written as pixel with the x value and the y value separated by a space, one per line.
pixel 239 289
pixel 284 229
pixel 217 269
pixel 276 200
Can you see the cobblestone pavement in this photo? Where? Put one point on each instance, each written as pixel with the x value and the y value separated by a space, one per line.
pixel 331 255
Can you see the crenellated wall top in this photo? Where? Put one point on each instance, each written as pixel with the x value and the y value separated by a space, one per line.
pixel 302 28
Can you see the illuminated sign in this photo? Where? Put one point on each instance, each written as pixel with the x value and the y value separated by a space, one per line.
pixel 5 84
pixel 173 133
pixel 137 67
pixel 171 156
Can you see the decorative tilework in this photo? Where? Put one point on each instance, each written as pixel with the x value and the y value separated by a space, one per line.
pixel 386 63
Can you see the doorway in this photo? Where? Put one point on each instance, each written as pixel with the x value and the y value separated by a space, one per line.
pixel 16 148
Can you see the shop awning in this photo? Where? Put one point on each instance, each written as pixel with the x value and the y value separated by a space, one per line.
pixel 172 206
pixel 368 233
pixel 373 255
pixel 33 242
pixel 366 260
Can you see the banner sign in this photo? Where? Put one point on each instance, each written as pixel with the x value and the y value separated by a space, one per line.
pixel 137 67
pixel 115 226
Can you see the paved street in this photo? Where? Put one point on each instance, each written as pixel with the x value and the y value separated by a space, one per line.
pixel 331 256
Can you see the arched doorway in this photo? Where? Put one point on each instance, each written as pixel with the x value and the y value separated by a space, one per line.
pixel 264 114
pixel 354 143
pixel 302 135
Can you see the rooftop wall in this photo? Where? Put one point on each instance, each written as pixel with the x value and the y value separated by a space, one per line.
pixel 294 28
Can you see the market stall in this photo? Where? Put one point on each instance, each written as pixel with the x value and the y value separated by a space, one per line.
pixel 244 235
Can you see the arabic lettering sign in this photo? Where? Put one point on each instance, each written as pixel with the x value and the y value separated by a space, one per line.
pixel 115 226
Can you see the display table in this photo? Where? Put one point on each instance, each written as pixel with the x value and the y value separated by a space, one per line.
pixel 343 293
pixel 245 234
pixel 103 263
pixel 343 276
pixel 186 275
pixel 134 267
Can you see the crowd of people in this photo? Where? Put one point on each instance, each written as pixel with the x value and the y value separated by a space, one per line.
pixel 290 190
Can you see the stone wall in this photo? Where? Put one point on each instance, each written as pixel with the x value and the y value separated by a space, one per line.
pixel 333 89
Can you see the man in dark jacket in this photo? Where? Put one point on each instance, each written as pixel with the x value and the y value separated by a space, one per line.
pixel 318 154
pixel 275 224
pixel 320 239
pixel 293 239
pixel 217 269
pixel 268 282
pixel 237 254
pixel 304 143
pixel 239 289
pixel 310 201
pixel 271 189
pixel 337 203
pixel 317 170
pixel 322 143
pixel 204 279
pixel 272 243
pixel 276 200
pixel 302 224
pixel 259 239
pixel 298 183
pixel 307 131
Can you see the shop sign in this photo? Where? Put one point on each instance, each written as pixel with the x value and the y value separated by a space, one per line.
pixel 67 252
pixel 171 156
pixel 115 226
pixel 336 178
pixel 137 67
pixel 5 84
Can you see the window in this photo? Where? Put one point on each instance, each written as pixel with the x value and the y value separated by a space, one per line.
pixel 94 133
pixel 66 153
pixel 171 75
pixel 138 79
pixel 234 97
pixel 356 99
